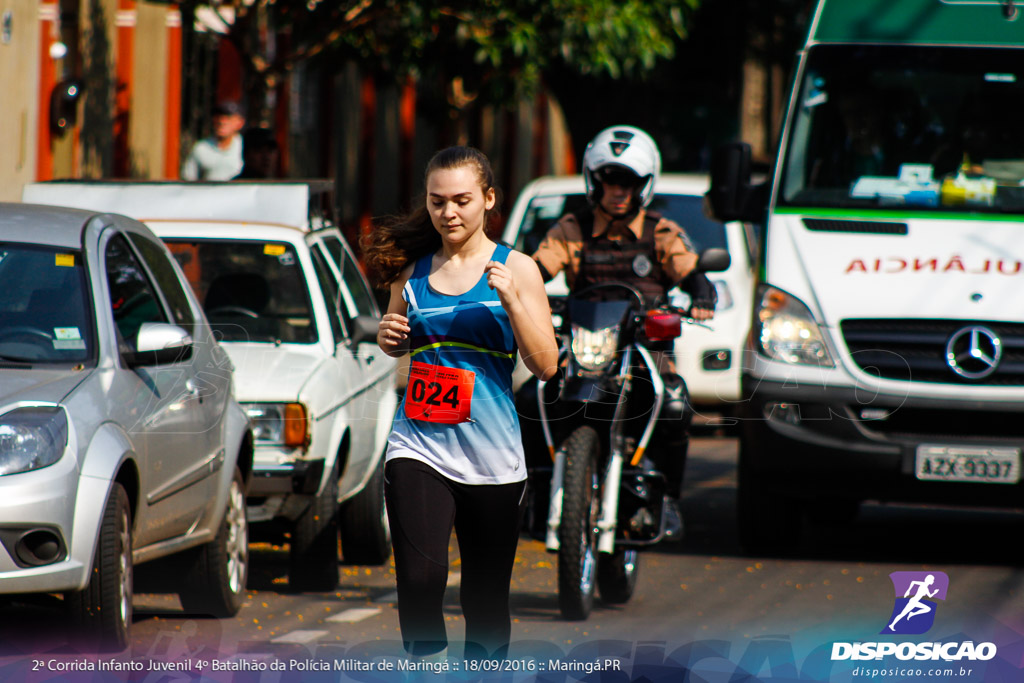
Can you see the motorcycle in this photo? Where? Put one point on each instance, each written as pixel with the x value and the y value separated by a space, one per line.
pixel 607 499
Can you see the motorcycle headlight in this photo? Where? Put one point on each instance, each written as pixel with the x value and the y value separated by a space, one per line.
pixel 281 424
pixel 594 349
pixel 786 331
pixel 31 438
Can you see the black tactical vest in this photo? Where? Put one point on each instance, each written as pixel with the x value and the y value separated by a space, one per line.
pixel 633 262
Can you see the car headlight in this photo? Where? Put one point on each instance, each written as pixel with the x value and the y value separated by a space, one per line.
pixel 681 299
pixel 785 329
pixel 725 300
pixel 282 424
pixel 31 438
pixel 594 349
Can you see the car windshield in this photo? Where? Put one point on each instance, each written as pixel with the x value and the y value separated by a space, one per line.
pixel 45 314
pixel 896 126
pixel 250 290
pixel 686 210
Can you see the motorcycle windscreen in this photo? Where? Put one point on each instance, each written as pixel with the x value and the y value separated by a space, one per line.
pixel 597 315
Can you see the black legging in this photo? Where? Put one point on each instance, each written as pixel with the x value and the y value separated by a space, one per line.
pixel 423 506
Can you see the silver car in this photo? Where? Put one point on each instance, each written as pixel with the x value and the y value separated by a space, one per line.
pixel 288 301
pixel 120 440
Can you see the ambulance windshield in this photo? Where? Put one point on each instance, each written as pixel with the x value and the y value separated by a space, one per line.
pixel 922 128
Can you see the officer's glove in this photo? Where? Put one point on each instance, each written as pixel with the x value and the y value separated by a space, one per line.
pixel 703 295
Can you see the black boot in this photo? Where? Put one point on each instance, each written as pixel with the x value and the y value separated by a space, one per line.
pixel 673 524
pixel 670 441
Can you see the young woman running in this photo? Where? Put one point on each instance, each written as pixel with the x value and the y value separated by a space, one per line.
pixel 461 306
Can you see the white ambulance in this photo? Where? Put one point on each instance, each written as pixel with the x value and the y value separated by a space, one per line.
pixel 886 358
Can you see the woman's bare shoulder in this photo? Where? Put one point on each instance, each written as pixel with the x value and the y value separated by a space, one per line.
pixel 396 302
pixel 403 277
pixel 520 262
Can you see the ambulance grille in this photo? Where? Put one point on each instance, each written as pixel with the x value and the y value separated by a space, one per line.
pixel 915 350
pixel 878 227
pixel 945 426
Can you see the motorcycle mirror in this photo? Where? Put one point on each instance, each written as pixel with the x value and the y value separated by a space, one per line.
pixel 714 260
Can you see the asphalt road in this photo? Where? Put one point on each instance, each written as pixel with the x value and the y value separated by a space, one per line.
pixel 700 603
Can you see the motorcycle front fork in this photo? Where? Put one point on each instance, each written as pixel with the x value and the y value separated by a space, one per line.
pixel 612 479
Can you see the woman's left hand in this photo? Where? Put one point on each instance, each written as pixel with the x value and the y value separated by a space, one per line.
pixel 500 279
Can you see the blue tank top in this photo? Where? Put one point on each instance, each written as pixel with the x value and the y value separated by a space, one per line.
pixel 467 333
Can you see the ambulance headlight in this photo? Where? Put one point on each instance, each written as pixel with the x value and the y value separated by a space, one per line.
pixel 785 330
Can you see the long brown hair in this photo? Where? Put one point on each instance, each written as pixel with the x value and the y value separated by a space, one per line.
pixel 397 241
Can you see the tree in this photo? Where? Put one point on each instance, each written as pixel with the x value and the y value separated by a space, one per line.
pixel 488 51
pixel 774 32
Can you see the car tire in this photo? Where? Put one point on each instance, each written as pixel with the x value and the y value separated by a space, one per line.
pixel 617 574
pixel 102 611
pixel 313 552
pixel 768 522
pixel 836 511
pixel 215 579
pixel 365 533
pixel 577 530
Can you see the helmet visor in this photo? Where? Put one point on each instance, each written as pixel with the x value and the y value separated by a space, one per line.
pixel 619 176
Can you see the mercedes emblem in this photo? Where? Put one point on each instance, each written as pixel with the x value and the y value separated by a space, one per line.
pixel 974 352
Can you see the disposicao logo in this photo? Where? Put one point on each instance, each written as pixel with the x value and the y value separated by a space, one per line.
pixel 913 614
pixel 916 592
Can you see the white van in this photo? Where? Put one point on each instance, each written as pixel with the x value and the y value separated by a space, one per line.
pixel 886 359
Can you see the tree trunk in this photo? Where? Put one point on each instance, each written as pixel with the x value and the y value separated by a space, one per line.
pixel 754 107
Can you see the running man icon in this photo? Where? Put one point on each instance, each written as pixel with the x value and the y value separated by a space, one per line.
pixel 916 589
pixel 915 606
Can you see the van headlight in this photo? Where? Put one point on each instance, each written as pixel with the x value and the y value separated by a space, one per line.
pixel 32 438
pixel 785 329
pixel 280 424
pixel 594 349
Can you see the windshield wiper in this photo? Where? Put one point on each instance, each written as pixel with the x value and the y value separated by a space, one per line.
pixel 17 361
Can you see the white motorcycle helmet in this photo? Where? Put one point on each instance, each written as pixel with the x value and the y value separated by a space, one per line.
pixel 625 147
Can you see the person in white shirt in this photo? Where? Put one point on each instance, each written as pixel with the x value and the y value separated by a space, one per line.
pixel 218 157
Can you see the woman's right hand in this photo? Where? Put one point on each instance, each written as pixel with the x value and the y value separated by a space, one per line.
pixel 393 332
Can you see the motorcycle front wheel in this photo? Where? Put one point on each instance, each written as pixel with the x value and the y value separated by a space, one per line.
pixel 577 531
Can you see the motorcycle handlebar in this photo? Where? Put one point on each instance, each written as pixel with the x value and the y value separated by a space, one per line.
pixel 559 304
pixel 684 313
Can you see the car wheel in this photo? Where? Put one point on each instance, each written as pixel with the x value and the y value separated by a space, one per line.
pixel 365 533
pixel 215 580
pixel 838 511
pixel 313 553
pixel 769 522
pixel 102 611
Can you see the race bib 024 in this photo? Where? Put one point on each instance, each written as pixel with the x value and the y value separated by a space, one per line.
pixel 439 394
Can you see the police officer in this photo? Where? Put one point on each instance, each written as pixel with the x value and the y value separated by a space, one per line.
pixel 615 239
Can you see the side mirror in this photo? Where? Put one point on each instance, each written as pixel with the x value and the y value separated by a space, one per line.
pixel 364 329
pixel 160 344
pixel 64 106
pixel 714 260
pixel 532 240
pixel 732 197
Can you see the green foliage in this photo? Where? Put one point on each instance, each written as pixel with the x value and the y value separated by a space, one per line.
pixel 496 50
